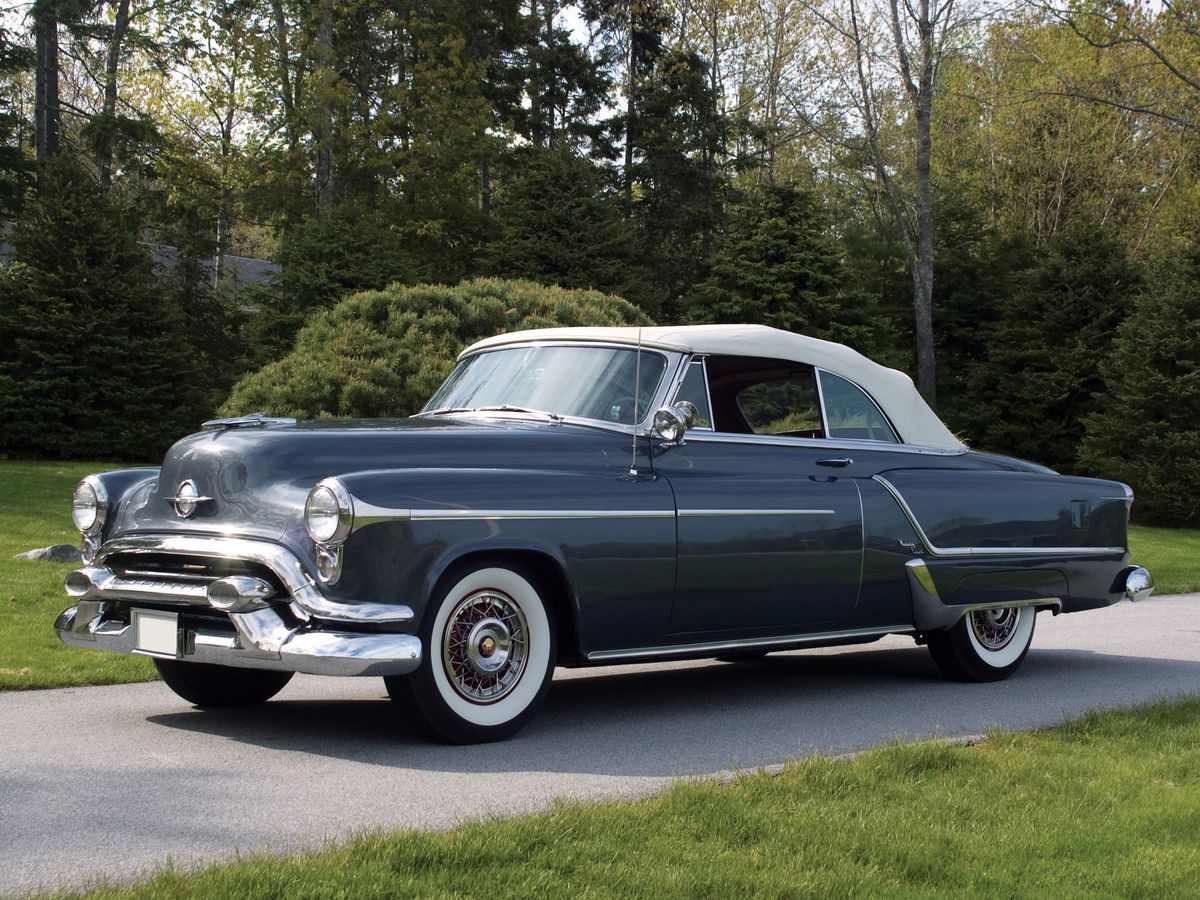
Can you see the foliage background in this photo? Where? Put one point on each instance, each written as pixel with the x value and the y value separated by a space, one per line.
pixel 705 160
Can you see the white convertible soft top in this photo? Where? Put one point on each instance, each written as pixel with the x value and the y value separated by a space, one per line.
pixel 891 389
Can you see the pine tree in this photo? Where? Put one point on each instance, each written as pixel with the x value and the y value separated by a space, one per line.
pixel 1042 376
pixel 1147 430
pixel 96 363
pixel 777 264
pixel 558 220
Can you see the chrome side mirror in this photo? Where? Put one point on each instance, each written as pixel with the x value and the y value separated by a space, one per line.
pixel 672 422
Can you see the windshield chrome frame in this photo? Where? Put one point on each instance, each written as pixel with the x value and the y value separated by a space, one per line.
pixel 675 363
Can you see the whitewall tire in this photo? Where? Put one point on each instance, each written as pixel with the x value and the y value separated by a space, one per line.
pixel 489 639
pixel 985 645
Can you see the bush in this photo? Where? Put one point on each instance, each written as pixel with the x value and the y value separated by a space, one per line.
pixel 383 353
pixel 1148 431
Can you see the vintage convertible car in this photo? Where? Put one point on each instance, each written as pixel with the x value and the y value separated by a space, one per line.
pixel 587 496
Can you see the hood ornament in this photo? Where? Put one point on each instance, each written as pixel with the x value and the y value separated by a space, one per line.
pixel 187 498
pixel 254 420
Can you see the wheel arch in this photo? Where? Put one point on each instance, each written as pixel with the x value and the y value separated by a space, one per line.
pixel 549 570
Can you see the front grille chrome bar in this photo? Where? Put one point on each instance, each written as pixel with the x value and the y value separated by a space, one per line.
pixel 305 598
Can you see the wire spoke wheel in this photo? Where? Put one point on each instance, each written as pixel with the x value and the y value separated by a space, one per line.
pixel 485 646
pixel 995 628
pixel 985 644
pixel 491 648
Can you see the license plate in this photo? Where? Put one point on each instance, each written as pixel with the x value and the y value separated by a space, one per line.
pixel 156 632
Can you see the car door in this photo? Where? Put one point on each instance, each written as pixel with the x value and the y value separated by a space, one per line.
pixel 769 522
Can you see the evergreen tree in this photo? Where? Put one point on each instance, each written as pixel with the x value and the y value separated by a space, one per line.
pixel 1042 375
pixel 1147 431
pixel 96 364
pixel 15 169
pixel 778 264
pixel 559 221
pixel 678 191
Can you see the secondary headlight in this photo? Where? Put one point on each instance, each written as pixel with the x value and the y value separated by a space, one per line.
pixel 89 506
pixel 329 512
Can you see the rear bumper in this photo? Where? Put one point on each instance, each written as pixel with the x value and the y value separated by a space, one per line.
pixel 261 640
pixel 280 620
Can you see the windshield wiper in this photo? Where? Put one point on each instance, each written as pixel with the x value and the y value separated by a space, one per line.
pixel 504 407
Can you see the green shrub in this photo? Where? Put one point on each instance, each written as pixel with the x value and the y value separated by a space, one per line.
pixel 383 353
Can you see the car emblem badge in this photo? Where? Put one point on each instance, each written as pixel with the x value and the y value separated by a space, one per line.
pixel 187 499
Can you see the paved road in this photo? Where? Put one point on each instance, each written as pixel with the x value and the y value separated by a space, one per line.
pixel 113 780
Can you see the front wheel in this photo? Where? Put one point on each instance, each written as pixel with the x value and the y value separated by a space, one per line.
pixel 985 645
pixel 490 653
pixel 205 684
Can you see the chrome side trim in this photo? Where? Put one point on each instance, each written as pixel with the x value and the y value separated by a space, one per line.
pixel 368 514
pixel 828 444
pixel 756 512
pixel 959 552
pixel 307 600
pixel 780 641
pixel 433 515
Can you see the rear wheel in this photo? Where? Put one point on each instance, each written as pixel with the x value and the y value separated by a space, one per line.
pixel 208 685
pixel 490 653
pixel 985 645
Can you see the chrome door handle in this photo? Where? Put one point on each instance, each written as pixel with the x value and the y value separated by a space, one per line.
pixel 839 463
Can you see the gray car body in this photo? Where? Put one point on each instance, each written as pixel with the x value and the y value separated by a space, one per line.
pixel 655 549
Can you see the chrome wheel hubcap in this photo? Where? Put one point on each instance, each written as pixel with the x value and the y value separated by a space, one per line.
pixel 484 646
pixel 994 628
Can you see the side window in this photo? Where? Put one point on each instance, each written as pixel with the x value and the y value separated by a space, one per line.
pixel 850 413
pixel 787 404
pixel 695 389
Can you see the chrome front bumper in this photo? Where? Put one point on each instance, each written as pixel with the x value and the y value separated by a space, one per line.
pixel 262 641
pixel 297 630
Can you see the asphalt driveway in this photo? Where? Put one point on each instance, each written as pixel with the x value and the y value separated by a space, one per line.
pixel 113 781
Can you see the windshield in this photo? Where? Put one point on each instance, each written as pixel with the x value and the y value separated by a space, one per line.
pixel 588 382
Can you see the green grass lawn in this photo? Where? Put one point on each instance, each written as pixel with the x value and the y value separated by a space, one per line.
pixel 1106 806
pixel 1171 554
pixel 35 511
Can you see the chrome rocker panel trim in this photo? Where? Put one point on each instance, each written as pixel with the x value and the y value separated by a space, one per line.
pixel 777 642
pixel 263 641
pixel 307 601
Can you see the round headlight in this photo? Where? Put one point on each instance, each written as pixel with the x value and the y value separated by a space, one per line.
pixel 329 512
pixel 89 505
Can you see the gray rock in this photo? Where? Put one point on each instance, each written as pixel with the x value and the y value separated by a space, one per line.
pixel 57 553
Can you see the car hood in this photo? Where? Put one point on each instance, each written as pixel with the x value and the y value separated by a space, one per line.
pixel 256 479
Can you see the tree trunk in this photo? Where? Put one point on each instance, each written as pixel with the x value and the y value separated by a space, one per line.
pixel 923 264
pixel 46 107
pixel 323 130
pixel 629 108
pixel 109 108
pixel 286 90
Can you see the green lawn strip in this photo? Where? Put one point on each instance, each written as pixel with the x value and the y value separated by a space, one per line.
pixel 35 511
pixel 1108 805
pixel 1171 554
